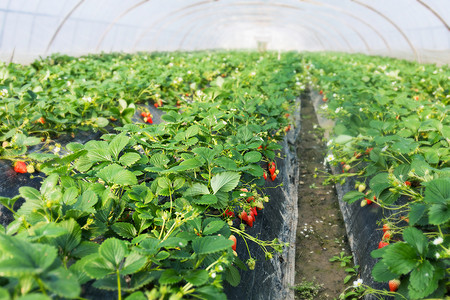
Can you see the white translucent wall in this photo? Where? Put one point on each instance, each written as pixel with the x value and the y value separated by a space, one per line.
pixel 412 29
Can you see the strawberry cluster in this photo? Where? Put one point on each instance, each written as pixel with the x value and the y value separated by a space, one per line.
pixel 147 117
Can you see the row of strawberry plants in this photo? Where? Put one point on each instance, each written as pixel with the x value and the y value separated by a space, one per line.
pixel 151 211
pixel 392 132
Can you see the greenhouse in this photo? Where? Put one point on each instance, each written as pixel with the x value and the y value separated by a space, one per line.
pixel 224 149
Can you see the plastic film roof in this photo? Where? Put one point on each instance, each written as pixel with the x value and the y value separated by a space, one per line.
pixel 411 29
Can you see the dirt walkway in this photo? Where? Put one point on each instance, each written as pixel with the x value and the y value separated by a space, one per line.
pixel 320 230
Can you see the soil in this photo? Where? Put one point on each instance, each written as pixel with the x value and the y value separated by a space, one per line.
pixel 321 232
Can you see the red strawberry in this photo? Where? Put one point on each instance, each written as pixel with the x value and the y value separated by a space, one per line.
pixel 250 221
pixel 368 200
pixel 243 216
pixel 149 120
pixel 143 114
pixel 407 183
pixel 233 238
pixel 20 167
pixel 250 199
pixel 321 92
pixel 357 154
pixel 394 284
pixel 265 175
pixel 324 99
pixel 156 105
pixel 287 128
pixel 228 213
pixel 260 147
pixel 386 227
pixel 387 236
pixel 255 212
pixel 272 168
pixel 382 244
pixel 273 176
pixel 41 120
pixel 368 150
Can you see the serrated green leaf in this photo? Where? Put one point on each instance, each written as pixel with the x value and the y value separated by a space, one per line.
pixel 422 276
pixel 205 199
pixel 226 163
pixel 353 196
pixel 252 157
pixel 173 242
pixel 213 227
pixel 62 282
pixel 379 183
pixel 113 250
pixel 125 230
pixel 197 277
pixel 381 272
pixel 232 276
pixel 439 213
pixel 133 263
pixel 86 201
pixel 210 244
pixel 196 189
pixel 416 212
pixel 101 122
pixel 142 278
pixel 416 238
pixel 117 145
pixel 159 160
pixel 169 276
pixel 400 258
pixel 129 159
pixel 29 193
pixel 31 296
pixel 225 182
pixel 438 191
pixel 99 268
pixel 136 296
pixel 70 195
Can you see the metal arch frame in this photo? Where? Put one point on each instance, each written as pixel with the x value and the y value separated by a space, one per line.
pixel 208 15
pixel 189 32
pixel 58 29
pixel 111 25
pixel 239 4
pixel 290 28
pixel 437 15
pixel 416 55
pixel 313 30
pixel 313 2
pixel 224 20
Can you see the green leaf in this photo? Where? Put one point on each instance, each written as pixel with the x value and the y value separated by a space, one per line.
pixel 232 276
pixel 117 145
pixel 381 273
pixel 196 189
pixel 439 213
pixel 206 200
pixel 169 276
pixel 71 238
pixel 159 160
pixel 127 115
pixel 210 244
pixel 210 292
pixel 252 157
pixel 62 282
pixel 125 230
pixel 129 159
pixel 416 212
pixel 136 296
pixel 99 267
pixel 86 201
pixel 422 276
pixel 213 227
pixel 31 296
pixel 70 195
pixel 225 181
pixel 416 238
pixel 173 242
pixel 438 191
pixel 133 263
pixel 142 278
pixel 29 193
pixel 197 277
pixel 379 183
pixel 113 250
pixel 400 258
pixel 353 196
pixel 226 163
pixel 115 174
pixel 101 122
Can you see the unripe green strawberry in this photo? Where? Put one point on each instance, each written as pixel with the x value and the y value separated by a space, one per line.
pixel 361 187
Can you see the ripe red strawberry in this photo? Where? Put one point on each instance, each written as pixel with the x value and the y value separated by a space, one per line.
pixel 394 284
pixel 260 147
pixel 368 150
pixel 250 199
pixel 250 221
pixel 41 120
pixel 143 114
pixel 149 120
pixel 272 168
pixel 243 216
pixel 265 175
pixel 228 213
pixel 386 227
pixel 273 176
pixel 368 200
pixel 156 105
pixel 407 183
pixel 20 167
pixel 382 244
pixel 387 236
pixel 233 238
pixel 255 212
pixel 321 92
pixel 287 128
